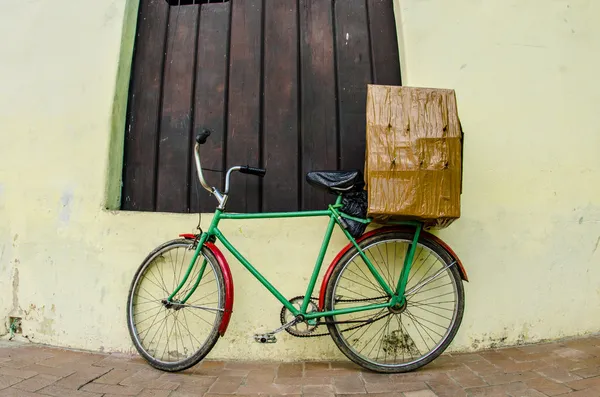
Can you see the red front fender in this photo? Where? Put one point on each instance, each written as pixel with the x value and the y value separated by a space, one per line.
pixel 425 234
pixel 228 280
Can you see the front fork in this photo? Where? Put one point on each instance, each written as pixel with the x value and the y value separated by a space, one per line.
pixel 201 241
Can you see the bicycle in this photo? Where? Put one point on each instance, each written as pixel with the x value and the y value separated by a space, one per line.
pixel 385 318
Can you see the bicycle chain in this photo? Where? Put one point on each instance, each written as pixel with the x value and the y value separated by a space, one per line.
pixel 311 335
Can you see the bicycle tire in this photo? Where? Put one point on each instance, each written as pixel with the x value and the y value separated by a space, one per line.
pixel 338 335
pixel 213 336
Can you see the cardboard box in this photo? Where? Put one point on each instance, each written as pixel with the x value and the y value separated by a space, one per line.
pixel 414 155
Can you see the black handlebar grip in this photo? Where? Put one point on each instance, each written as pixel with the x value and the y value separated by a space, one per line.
pixel 253 171
pixel 203 136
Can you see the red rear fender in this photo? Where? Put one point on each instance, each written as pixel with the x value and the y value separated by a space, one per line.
pixel 425 234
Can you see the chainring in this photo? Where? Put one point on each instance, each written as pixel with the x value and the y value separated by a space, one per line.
pixel 308 330
pixel 302 329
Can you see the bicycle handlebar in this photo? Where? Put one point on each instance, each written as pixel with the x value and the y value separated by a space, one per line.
pixel 253 171
pixel 221 197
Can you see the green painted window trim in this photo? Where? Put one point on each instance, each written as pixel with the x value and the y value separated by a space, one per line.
pixel 116 146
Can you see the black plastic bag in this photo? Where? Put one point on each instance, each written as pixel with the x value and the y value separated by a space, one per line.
pixel 355 204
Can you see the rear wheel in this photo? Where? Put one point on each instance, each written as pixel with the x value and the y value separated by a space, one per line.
pixel 175 337
pixel 406 337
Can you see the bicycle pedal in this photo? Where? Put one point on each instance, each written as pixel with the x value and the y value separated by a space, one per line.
pixel 265 338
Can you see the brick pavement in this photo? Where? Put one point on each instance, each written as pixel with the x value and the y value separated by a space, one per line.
pixel 567 368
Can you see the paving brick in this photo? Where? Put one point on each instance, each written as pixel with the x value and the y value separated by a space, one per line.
pixel 573 354
pixel 585 393
pixel 420 393
pixel 290 371
pixel 467 379
pixel 56 391
pixel 178 393
pixel 348 365
pixel 446 388
pixel 42 369
pixel 154 393
pixel 36 383
pixel 226 385
pixel 114 377
pixel 18 363
pixel 548 387
pixel 558 374
pixel 188 379
pixel 7 381
pixel 112 389
pixel 585 383
pixel 394 387
pixel 268 388
pixel 589 372
pixel 319 390
pixel 316 365
pixel 82 377
pixel 19 373
pixel 304 381
pixel 243 365
pixel 498 390
pixel 527 393
pixel 349 384
pixel 11 392
pixel 501 379
pixel 482 367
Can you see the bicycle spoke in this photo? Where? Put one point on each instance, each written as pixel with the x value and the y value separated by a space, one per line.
pixel 191 311
pixel 155 317
pixel 418 305
pixel 376 287
pixel 425 328
pixel 434 313
pixel 186 326
pixel 364 274
pixel 433 297
pixel 428 321
pixel 362 285
pixel 349 290
pixel 405 331
pixel 162 277
pixel 147 310
pixel 390 282
pixel 153 297
pixel 429 289
pixel 148 278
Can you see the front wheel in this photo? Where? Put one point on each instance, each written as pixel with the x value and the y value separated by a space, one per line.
pixel 174 337
pixel 405 337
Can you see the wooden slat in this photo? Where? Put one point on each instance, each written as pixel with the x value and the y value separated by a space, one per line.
pixel 353 74
pixel 280 118
pixel 384 42
pixel 243 125
pixel 318 114
pixel 144 108
pixel 210 100
pixel 172 193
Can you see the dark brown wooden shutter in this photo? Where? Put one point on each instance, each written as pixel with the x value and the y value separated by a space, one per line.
pixel 282 84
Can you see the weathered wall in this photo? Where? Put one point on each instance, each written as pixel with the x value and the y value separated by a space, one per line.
pixel 531 201
pixel 525 78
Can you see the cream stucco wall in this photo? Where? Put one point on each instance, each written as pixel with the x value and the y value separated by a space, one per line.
pixel 528 96
pixel 529 235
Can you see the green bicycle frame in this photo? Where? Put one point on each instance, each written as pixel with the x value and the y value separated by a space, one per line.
pixel 335 217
